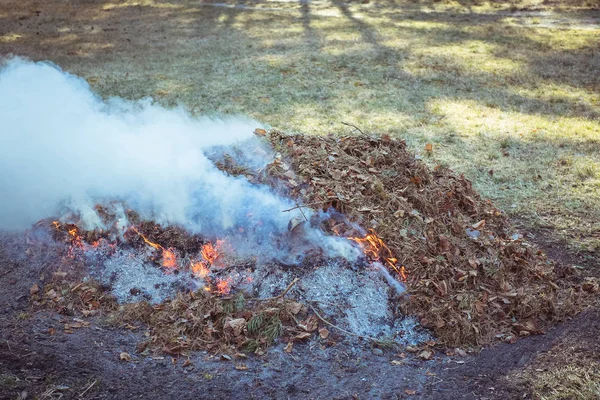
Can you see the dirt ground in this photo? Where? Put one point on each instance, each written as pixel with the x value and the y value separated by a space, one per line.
pixel 86 364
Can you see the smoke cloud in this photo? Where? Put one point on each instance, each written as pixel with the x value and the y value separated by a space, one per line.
pixel 60 144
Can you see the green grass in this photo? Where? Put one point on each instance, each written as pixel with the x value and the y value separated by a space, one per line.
pixel 512 102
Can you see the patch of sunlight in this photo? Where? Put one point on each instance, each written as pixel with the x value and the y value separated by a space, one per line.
pixel 140 3
pixel 97 46
pixel 329 12
pixel 422 25
pixel 471 118
pixel 475 55
pixel 61 40
pixel 559 39
pixel 10 37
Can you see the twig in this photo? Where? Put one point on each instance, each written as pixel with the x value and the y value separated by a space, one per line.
pixel 89 387
pixel 299 208
pixel 341 329
pixel 353 126
pixel 288 288
pixel 280 296
pixel 304 205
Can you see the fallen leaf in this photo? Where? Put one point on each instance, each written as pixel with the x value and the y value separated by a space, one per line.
pixel 302 336
pixel 416 180
pixel 234 326
pixel 412 349
pixel 410 392
pixel 425 355
pixel 186 363
pixel 428 147
pixel 311 325
pixel 479 224
pixel 51 331
pixel 260 132
pixel 124 356
pixel 289 347
pixel 34 289
pixel 397 362
pixel 294 307
pixel 60 275
pixel 241 367
pixel 324 333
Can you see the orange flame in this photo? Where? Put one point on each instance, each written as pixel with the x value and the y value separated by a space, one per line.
pixel 169 258
pixel 209 252
pixel 200 269
pixel 223 286
pixel 377 250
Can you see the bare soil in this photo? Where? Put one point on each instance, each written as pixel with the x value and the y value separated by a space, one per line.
pixel 86 364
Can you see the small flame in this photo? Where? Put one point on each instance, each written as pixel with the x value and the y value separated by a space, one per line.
pixel 200 269
pixel 377 250
pixel 223 286
pixel 209 252
pixel 169 258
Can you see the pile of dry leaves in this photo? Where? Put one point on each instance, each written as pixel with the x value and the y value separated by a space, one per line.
pixel 471 278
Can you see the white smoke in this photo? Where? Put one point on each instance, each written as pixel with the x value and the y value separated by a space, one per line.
pixel 62 144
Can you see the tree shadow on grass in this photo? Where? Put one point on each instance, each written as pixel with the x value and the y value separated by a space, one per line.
pixel 457 83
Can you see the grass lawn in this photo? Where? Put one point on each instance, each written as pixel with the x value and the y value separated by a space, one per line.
pixel 507 93
pixel 509 97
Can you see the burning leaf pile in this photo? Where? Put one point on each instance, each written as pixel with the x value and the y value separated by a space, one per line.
pixel 370 211
pixel 471 279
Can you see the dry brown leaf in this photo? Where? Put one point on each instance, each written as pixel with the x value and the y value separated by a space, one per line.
pixel 410 392
pixel 323 333
pixel 260 132
pixel 241 367
pixel 294 307
pixel 479 224
pixel 428 147
pixel 34 289
pixel 310 325
pixel 426 355
pixel 124 356
pixel 302 336
pixel 289 347
pixel 234 326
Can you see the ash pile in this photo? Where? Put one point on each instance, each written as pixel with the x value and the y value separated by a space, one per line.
pixel 142 261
